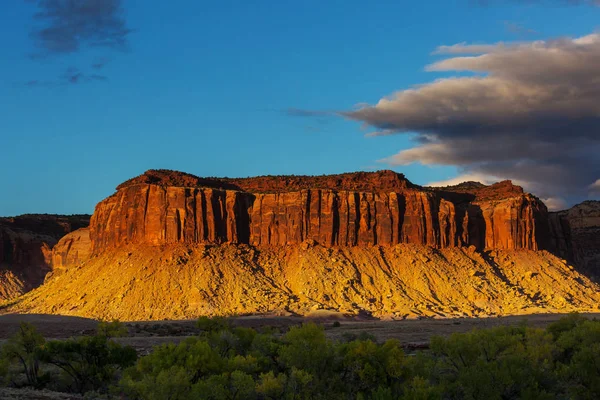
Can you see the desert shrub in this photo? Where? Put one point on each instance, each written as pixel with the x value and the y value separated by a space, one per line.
pixel 3 371
pixel 20 356
pixel 214 324
pixel 112 329
pixel 350 337
pixel 89 362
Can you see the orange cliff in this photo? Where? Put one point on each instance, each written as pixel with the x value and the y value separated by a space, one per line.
pixel 355 209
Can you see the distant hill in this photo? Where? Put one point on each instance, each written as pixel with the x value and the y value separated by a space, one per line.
pixel 26 243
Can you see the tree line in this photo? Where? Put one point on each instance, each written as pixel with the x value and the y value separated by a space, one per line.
pixel 227 362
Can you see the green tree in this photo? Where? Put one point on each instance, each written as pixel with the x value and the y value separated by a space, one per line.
pixel 270 386
pixel 23 349
pixel 578 352
pixel 194 356
pixel 214 324
pixel 88 362
pixel 112 329
pixel 172 383
pixel 499 363
pixel 306 348
pixel 420 389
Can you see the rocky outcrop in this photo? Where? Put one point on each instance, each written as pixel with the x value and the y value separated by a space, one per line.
pixel 26 245
pixel 27 239
pixel 73 249
pixel 575 234
pixel 381 208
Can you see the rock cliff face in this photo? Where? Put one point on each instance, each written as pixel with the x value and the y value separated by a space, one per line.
pixel 71 249
pixel 26 245
pixel 380 208
pixel 575 235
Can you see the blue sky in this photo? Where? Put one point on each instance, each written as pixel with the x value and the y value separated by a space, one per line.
pixel 205 87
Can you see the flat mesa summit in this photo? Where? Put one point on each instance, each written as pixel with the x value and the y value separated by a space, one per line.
pixel 172 245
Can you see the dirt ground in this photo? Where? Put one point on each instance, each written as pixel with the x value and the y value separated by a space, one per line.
pixel 143 336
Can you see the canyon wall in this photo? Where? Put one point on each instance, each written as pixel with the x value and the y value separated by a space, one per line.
pixel 26 244
pixel 379 208
pixel 27 240
pixel 575 236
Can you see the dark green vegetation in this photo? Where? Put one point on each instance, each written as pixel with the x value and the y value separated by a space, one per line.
pixel 226 362
pixel 86 363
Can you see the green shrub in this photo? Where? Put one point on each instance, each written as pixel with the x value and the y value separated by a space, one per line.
pixel 89 362
pixel 112 329
pixel 23 352
pixel 214 324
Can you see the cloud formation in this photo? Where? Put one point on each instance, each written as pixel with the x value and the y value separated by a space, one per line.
pixel 69 25
pixel 530 112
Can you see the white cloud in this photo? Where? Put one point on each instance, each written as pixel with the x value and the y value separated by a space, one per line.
pixel 555 203
pixel 485 179
pixel 531 113
pixel 595 187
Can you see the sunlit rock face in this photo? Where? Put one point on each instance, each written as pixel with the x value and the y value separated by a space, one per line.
pixel 71 249
pixel 356 209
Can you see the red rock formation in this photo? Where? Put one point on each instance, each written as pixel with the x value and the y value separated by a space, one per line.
pixel 575 235
pixel 357 209
pixel 71 249
pixel 26 245
pixel 26 240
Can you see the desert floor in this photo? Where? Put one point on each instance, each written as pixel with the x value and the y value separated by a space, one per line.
pixel 412 333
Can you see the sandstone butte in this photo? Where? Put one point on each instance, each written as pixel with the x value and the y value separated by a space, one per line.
pixel 173 245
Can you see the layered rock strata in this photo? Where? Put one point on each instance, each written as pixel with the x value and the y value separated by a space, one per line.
pixel 361 209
